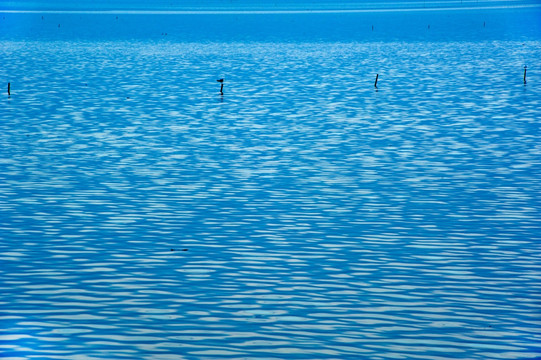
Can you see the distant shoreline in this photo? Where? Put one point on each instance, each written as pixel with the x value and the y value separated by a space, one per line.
pixel 277 11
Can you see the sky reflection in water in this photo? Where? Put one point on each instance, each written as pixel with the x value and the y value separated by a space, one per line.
pixel 321 219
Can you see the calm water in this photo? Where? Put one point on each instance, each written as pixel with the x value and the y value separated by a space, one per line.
pixel 301 215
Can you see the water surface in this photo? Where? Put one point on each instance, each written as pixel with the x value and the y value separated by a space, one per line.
pixel 302 215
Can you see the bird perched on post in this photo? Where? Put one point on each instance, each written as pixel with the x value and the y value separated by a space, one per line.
pixel 222 87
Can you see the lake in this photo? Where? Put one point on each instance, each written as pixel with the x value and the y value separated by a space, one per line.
pixel 303 214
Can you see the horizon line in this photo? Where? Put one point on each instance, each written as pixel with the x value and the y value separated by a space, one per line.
pixel 255 12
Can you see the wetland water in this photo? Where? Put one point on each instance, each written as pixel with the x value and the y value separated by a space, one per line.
pixel 310 216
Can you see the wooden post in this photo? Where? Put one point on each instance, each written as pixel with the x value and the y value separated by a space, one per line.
pixel 9 89
pixel 525 67
pixel 221 87
pixel 376 83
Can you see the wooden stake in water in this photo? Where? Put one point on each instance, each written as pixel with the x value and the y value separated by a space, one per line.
pixel 376 83
pixel 9 89
pixel 525 67
pixel 222 87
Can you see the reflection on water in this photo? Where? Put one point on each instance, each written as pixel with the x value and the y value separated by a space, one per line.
pixel 319 219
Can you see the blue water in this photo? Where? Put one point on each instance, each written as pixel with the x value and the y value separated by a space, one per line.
pixel 304 214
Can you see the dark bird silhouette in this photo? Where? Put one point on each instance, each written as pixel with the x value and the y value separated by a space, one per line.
pixel 221 81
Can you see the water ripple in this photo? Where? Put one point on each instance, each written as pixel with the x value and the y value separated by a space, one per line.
pixel 302 215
